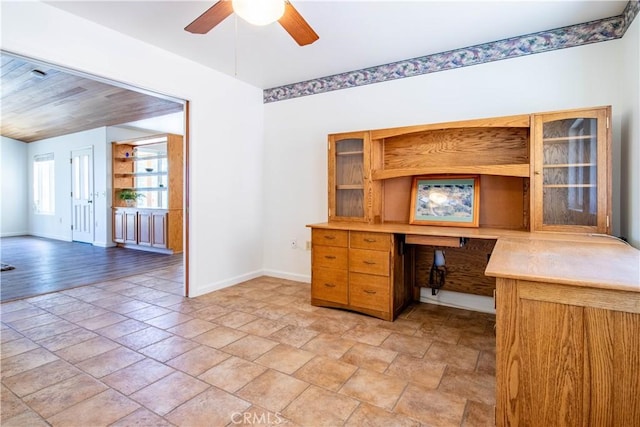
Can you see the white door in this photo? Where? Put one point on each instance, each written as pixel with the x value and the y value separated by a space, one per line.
pixel 82 195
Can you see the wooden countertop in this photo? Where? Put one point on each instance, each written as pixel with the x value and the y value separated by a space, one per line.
pixel 596 261
pixel 596 264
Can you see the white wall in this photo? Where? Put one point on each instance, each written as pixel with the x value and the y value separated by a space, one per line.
pixel 296 130
pixel 58 226
pixel 226 130
pixel 14 199
pixel 630 130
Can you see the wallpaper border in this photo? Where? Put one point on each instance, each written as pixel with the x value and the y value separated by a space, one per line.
pixel 560 38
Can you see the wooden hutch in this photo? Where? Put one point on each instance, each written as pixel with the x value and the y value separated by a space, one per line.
pixel 544 221
pixel 152 168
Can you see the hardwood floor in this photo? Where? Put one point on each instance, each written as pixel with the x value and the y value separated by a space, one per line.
pixel 46 265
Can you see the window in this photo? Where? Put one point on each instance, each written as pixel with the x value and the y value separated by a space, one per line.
pixel 43 184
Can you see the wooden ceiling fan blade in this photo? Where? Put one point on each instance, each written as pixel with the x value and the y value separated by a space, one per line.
pixel 296 26
pixel 212 17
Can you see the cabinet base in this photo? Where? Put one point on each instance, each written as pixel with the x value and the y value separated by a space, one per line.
pixel 384 315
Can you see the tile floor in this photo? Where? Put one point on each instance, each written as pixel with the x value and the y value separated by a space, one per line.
pixel 134 352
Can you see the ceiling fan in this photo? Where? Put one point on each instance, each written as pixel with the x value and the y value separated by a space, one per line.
pixel 257 12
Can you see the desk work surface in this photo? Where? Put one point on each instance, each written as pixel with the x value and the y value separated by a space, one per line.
pixel 599 263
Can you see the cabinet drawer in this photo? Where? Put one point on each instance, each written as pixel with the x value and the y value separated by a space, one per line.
pixel 329 257
pixel 375 241
pixel 329 285
pixel 367 291
pixel 330 237
pixel 369 262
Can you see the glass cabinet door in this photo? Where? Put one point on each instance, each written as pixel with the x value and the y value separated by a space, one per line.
pixel 346 177
pixel 571 171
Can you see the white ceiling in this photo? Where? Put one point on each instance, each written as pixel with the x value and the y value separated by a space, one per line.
pixel 353 34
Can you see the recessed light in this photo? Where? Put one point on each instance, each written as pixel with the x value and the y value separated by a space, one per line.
pixel 38 73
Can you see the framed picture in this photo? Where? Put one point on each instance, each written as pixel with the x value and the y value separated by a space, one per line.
pixel 449 200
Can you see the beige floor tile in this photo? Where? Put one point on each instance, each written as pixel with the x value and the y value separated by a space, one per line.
pixel 101 321
pixel 262 327
pixel 235 319
pixel 85 350
pixel 311 408
pixel 413 346
pixel 137 376
pixel 214 407
pixel 192 328
pixel 24 312
pixel 329 345
pixel 255 416
pixel 292 335
pixel 86 313
pixel 478 414
pixel 128 307
pixel 301 318
pixel 250 347
pixel 431 407
pixel 18 346
pixel 23 362
pixel 147 313
pixel 169 320
pixel 209 312
pixel 10 405
pixel 70 307
pixel 157 397
pixel 58 397
pixel 27 418
pixel 442 333
pixel 169 348
pixel 66 339
pixel 219 337
pixel 326 372
pixel 371 335
pixel 487 363
pixel 198 360
pixel 375 388
pixel 285 358
pixel 101 409
pixel 232 374
pixel 38 378
pixel 453 355
pixel 7 334
pixel 32 322
pixel 143 338
pixel 272 390
pixel 109 362
pixel 46 331
pixel 120 329
pixel 470 385
pixel 372 416
pixel 369 357
pixel 419 371
pixel 331 326
pixel 483 341
pixel 142 417
pixel 271 311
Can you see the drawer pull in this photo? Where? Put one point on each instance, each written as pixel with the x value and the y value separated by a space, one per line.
pixel 370 240
pixel 330 237
pixel 367 291
pixel 330 285
pixel 330 256
pixel 369 262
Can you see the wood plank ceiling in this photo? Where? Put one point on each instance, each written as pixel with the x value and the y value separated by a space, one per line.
pixel 36 107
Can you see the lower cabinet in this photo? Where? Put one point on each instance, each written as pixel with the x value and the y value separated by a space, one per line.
pixel 566 355
pixel 359 271
pixel 145 229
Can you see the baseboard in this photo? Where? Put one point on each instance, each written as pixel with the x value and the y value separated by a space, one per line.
pixel 288 276
pixel 224 284
pixel 104 244
pixel 51 236
pixel 14 234
pixel 458 300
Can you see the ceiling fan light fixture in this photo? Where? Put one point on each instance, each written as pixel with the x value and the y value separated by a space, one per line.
pixel 259 12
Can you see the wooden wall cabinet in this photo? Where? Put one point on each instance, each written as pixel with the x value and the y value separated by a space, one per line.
pixel 567 355
pixel 572 166
pixel 351 190
pixel 360 271
pixel 154 167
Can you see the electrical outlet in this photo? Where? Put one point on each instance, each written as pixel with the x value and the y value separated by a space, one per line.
pixel 293 244
pixel 308 245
